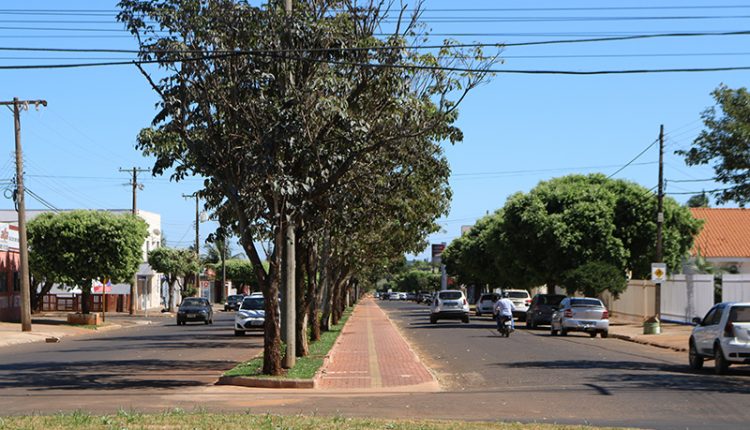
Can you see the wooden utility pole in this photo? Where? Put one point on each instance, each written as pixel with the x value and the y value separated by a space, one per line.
pixel 20 201
pixel 659 221
pixel 134 284
pixel 197 237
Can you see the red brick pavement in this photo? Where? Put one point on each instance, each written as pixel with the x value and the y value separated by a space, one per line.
pixel 371 355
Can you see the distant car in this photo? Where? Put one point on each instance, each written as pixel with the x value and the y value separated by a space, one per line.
pixel 394 295
pixel 195 309
pixel 580 314
pixel 424 296
pixel 402 295
pixel 521 300
pixel 541 309
pixel 449 305
pixel 376 295
pixel 233 302
pixel 250 316
pixel 722 335
pixel 486 304
pixel 256 294
pixel 411 296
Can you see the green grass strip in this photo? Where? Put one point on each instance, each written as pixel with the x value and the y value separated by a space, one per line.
pixel 305 367
pixel 178 419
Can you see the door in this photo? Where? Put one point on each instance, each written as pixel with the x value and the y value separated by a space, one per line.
pixel 707 331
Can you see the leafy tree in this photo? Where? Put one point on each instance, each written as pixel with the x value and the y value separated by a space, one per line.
pixel 417 280
pixel 698 201
pixel 241 272
pixel 82 246
pixel 174 264
pixel 725 144
pixel 593 278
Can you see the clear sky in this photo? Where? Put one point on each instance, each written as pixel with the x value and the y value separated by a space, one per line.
pixel 519 129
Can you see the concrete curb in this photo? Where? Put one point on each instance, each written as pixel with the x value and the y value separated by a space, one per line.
pixel 244 381
pixel 645 342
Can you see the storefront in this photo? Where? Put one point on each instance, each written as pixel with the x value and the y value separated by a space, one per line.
pixel 10 282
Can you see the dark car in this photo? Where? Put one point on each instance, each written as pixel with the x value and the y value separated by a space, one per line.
pixel 541 309
pixel 233 302
pixel 195 309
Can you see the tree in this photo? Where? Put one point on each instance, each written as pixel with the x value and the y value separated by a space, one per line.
pixel 174 264
pixel 241 272
pixel 281 140
pixel 80 247
pixel 416 280
pixel 698 201
pixel 725 144
pixel 593 278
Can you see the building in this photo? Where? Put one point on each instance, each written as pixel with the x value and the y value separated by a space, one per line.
pixel 725 239
pixel 149 281
pixel 10 265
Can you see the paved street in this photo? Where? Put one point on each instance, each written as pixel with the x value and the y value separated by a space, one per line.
pixel 528 377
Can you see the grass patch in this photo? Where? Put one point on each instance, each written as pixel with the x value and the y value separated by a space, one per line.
pixel 305 367
pixel 179 419
pixel 90 326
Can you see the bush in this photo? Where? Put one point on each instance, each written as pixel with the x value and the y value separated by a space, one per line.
pixel 593 278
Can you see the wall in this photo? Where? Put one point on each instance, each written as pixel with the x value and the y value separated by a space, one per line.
pixel 684 297
pixel 635 304
pixel 735 288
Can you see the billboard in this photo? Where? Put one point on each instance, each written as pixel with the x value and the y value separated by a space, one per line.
pixel 437 251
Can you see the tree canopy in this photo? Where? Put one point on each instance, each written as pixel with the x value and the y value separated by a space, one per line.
pixel 725 144
pixel 79 247
pixel 174 264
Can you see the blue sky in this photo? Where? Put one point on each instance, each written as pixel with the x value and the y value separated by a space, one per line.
pixel 519 129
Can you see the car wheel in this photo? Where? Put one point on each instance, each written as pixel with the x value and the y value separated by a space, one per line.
pixel 530 324
pixel 721 364
pixel 563 331
pixel 604 334
pixel 433 320
pixel 592 334
pixel 479 314
pixel 552 331
pixel 239 333
pixel 695 359
pixel 205 322
pixel 465 319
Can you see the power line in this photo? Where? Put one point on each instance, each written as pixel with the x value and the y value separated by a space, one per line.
pixel 635 158
pixel 703 191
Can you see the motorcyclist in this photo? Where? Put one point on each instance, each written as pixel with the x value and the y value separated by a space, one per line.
pixel 503 310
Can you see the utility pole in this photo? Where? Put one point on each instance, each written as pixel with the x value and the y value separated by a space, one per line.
pixel 197 237
pixel 20 201
pixel 289 318
pixel 659 221
pixel 136 186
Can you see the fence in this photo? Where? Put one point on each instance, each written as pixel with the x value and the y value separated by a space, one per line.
pixel 735 288
pixel 635 304
pixel 684 297
pixel 72 303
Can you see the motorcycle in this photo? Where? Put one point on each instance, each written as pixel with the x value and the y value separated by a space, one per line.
pixel 503 327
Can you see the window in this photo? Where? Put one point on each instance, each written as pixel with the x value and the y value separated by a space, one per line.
pixel 713 316
pixel 450 295
pixel 518 294
pixel 740 314
pixel 585 302
pixel 16 282
pixel 3 282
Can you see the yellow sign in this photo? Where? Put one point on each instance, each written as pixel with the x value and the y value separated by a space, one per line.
pixel 658 272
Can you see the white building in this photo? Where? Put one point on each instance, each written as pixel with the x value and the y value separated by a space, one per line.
pixel 149 281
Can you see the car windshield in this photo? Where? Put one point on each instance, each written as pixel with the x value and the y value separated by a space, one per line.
pixel 551 300
pixel 192 302
pixel 492 297
pixel 450 295
pixel 740 314
pixel 253 304
pixel 585 302
pixel 518 294
pixel 235 298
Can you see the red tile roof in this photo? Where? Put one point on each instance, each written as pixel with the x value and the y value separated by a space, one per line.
pixel 726 232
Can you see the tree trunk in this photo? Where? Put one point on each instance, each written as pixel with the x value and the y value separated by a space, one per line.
pixel 303 304
pixel 37 299
pixel 171 300
pixel 85 296
pixel 326 286
pixel 313 294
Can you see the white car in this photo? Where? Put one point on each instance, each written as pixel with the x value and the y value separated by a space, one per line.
pixel 449 305
pixel 251 315
pixel 521 301
pixel 722 335
pixel 486 304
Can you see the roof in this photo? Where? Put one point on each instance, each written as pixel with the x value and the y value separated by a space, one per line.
pixel 725 234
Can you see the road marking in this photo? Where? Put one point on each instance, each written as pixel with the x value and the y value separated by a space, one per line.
pixel 376 381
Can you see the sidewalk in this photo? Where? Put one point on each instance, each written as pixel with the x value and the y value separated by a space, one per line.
pixel 54 326
pixel 673 336
pixel 370 354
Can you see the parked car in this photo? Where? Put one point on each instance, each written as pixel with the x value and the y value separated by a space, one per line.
pixel 233 302
pixel 486 304
pixel 541 309
pixel 195 309
pixel 722 335
pixel 376 295
pixel 580 314
pixel 411 296
pixel 250 316
pixel 449 305
pixel 402 295
pixel 521 300
pixel 424 297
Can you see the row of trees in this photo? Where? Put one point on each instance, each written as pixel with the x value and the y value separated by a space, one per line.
pixel 308 122
pixel 585 233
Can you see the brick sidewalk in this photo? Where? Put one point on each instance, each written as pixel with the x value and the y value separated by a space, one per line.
pixel 371 355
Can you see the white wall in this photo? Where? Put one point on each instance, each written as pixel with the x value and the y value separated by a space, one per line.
pixel 684 297
pixel 735 288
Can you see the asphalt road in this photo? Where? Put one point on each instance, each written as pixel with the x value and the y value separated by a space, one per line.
pixel 529 377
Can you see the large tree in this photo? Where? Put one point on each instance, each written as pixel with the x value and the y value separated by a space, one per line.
pixel 277 111
pixel 174 264
pixel 80 247
pixel 725 144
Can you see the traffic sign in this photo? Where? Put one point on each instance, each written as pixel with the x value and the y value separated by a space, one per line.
pixel 658 272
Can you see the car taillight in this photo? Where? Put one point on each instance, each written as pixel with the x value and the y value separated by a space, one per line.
pixel 528 302
pixel 465 302
pixel 729 329
pixel 605 314
pixel 568 313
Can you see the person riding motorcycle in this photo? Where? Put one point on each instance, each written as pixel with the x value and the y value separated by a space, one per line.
pixel 504 312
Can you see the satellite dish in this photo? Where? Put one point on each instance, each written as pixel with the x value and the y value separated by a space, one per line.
pixel 156 231
pixel 204 216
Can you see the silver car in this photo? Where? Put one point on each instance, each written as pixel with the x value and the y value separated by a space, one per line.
pixel 486 304
pixel 584 314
